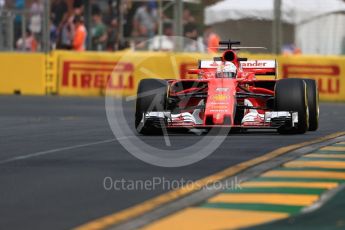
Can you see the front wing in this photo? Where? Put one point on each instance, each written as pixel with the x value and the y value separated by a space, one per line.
pixel 274 120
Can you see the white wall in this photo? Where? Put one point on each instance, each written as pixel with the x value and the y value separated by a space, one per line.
pixel 324 35
pixel 252 32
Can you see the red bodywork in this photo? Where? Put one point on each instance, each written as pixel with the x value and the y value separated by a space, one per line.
pixel 224 101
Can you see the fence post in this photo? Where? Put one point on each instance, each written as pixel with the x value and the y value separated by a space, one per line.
pixel 277 28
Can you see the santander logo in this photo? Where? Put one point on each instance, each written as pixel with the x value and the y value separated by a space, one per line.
pixel 255 63
pixel 258 64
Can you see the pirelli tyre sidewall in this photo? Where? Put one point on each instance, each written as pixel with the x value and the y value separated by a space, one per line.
pixel 291 95
pixel 313 104
pixel 151 96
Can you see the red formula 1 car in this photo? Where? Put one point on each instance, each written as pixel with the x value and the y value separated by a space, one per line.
pixel 228 94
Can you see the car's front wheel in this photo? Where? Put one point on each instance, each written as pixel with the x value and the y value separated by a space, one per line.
pixel 151 96
pixel 291 95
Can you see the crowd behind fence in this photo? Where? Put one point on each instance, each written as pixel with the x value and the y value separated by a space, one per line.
pixel 103 25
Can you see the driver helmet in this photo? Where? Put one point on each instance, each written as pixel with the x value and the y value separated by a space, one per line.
pixel 227 70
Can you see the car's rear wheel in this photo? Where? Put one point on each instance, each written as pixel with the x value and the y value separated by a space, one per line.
pixel 151 96
pixel 291 95
pixel 313 104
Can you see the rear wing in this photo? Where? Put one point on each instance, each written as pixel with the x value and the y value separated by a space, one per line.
pixel 209 64
pixel 260 67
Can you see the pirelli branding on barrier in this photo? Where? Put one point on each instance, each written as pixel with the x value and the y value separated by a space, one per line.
pixel 89 75
pixel 93 77
pixel 328 72
pixel 327 76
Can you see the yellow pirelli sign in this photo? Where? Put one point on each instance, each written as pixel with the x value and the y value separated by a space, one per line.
pixel 327 71
pixel 90 74
pixel 93 77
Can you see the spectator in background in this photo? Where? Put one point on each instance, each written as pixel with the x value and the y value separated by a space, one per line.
pixel 68 28
pixel 59 11
pixel 53 33
pixel 27 42
pixel 291 49
pixel 187 17
pixel 194 43
pixel 145 20
pixel 111 21
pixel 98 31
pixel 110 14
pixel 18 5
pixel 80 33
pixel 211 40
pixel 129 9
pixel 112 34
pixel 36 11
pixel 78 4
pixel 164 42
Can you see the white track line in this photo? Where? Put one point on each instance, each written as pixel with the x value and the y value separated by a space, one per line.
pixel 24 157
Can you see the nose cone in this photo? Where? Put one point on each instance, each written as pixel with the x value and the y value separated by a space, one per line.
pixel 220 102
pixel 218 119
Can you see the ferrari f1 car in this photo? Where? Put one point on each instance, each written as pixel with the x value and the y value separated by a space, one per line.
pixel 228 94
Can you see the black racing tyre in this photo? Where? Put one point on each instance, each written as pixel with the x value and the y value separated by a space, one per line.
pixel 291 95
pixel 151 96
pixel 313 104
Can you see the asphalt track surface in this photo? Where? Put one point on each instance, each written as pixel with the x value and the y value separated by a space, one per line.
pixel 56 151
